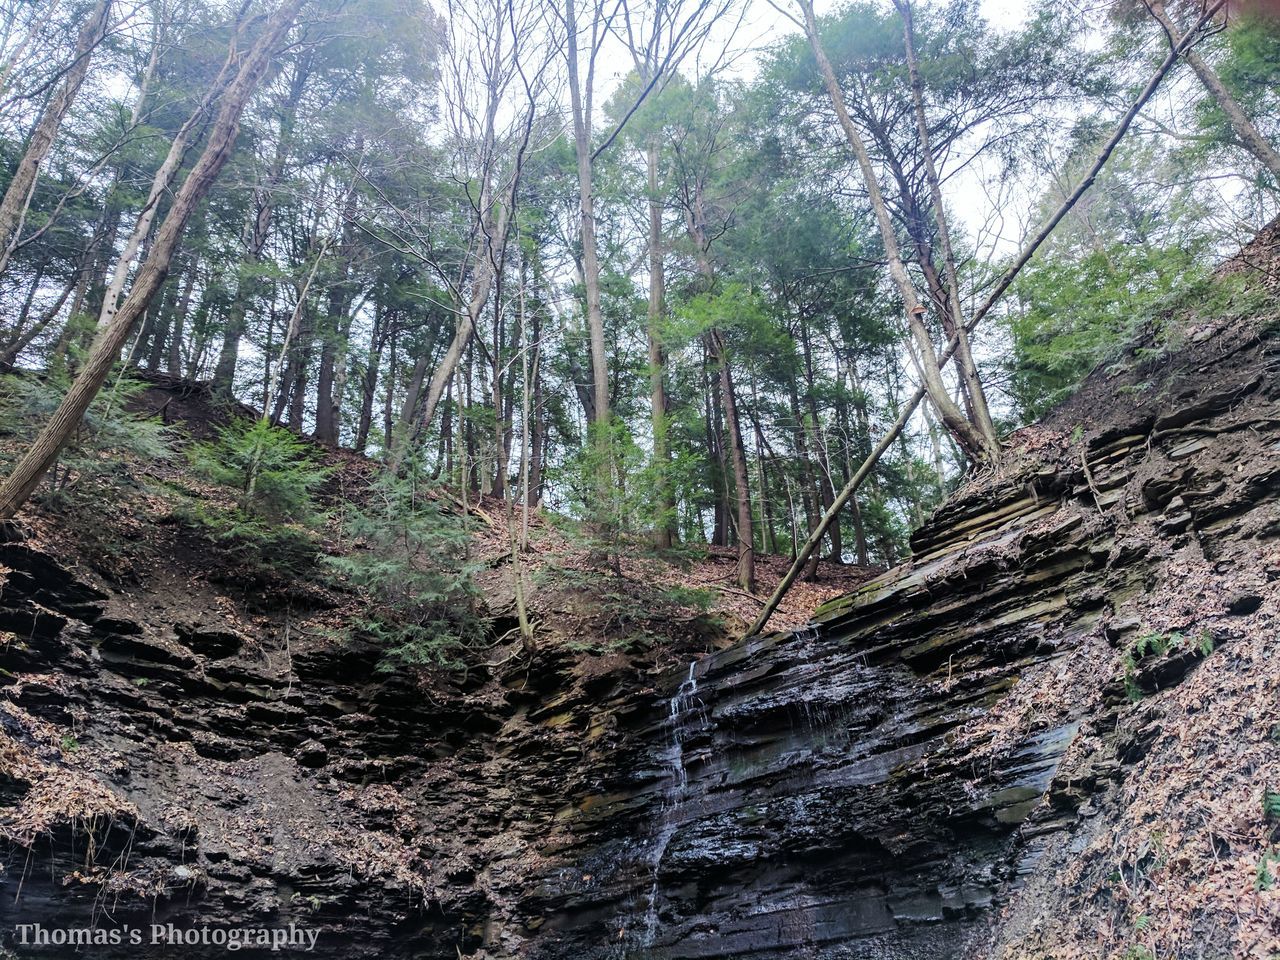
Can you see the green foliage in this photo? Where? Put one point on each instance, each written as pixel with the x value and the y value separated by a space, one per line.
pixel 70 744
pixel 1249 66
pixel 1152 643
pixel 1268 873
pixel 408 553
pixel 1076 315
pixel 1156 644
pixel 100 463
pixel 1271 804
pixel 612 483
pixel 272 475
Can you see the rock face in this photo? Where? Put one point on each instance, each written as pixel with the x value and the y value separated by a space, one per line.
pixel 906 779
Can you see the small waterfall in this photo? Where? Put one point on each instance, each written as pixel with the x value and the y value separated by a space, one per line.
pixel 678 782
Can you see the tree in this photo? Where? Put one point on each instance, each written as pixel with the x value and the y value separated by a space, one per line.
pixel 1246 133
pixel 17 195
pixel 970 437
pixel 29 471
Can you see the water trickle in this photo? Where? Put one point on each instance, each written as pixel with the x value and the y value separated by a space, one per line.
pixel 680 706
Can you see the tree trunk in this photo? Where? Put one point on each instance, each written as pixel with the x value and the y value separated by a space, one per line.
pixel 160 184
pixel 389 399
pixel 490 249
pixel 250 285
pixel 537 440
pixel 746 537
pixel 968 369
pixel 969 437
pixel 728 397
pixel 42 454
pixel 586 210
pixel 336 329
pixel 174 359
pixel 24 313
pixel 664 529
pixel 159 333
pixel 715 448
pixel 369 382
pixel 825 491
pixel 17 344
pixel 1249 136
pixel 17 196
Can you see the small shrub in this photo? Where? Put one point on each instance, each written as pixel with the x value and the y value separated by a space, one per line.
pixel 409 555
pixel 273 475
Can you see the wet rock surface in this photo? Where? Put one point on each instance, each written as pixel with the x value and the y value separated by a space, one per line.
pixel 882 785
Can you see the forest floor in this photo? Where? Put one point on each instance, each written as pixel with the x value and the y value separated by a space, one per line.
pixel 686 598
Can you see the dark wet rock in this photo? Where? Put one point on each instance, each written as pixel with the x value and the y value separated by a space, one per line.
pixel 210 642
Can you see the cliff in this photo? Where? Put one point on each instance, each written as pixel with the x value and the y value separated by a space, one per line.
pixel 1049 734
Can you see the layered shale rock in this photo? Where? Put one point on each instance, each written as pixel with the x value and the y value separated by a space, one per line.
pixel 912 777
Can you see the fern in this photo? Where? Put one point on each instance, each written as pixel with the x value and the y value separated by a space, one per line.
pixel 1266 874
pixel 1271 804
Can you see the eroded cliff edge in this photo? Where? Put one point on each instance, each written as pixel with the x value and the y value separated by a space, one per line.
pixel 1058 719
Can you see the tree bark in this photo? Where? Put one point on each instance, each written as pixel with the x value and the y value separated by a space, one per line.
pixel 42 454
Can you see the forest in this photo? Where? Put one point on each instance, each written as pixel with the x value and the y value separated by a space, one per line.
pixel 641 479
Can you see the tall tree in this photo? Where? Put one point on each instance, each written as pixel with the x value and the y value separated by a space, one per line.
pixel 1244 129
pixel 975 444
pixel 17 196
pixel 43 452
